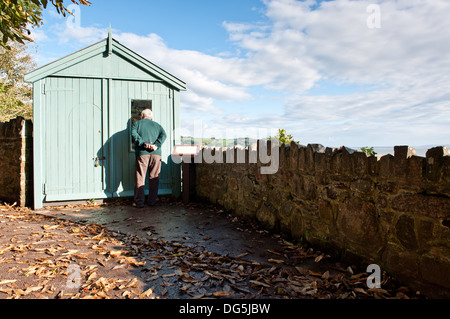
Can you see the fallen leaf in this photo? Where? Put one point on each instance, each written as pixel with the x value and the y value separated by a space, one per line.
pixel 127 294
pixel 132 261
pixel 315 274
pixel 259 283
pixel 360 290
pixel 318 258
pixel 153 278
pixel 49 227
pixel 241 255
pixel 70 252
pixel 115 253
pixel 2 251
pixel 378 290
pixel 184 288
pixel 7 291
pixel 146 294
pixel 221 294
pixel 92 276
pixel 132 283
pixel 119 267
pixel 7 281
pixel 277 261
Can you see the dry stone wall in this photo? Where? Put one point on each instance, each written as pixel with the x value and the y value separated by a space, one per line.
pixel 16 162
pixel 393 211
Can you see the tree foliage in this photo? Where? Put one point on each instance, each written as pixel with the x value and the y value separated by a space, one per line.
pixel 369 151
pixel 18 16
pixel 283 137
pixel 15 94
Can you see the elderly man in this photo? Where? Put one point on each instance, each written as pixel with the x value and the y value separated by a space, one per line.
pixel 148 136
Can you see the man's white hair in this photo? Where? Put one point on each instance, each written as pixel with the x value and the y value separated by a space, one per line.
pixel 147 113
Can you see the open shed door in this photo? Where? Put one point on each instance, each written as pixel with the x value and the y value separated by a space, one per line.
pixel 73 150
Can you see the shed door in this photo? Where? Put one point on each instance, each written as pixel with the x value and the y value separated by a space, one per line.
pixel 73 139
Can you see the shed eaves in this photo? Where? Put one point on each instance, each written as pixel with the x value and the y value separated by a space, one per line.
pixel 102 47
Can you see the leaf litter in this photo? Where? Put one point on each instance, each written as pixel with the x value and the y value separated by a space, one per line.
pixel 38 255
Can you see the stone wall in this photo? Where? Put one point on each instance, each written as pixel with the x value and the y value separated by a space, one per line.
pixel 393 211
pixel 16 162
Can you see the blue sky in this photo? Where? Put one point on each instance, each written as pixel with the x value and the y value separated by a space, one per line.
pixel 334 72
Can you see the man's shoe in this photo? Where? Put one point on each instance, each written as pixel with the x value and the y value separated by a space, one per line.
pixel 138 206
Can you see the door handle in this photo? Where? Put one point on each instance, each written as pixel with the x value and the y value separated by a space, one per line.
pixel 97 159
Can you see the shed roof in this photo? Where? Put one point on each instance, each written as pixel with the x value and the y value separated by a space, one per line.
pixel 94 61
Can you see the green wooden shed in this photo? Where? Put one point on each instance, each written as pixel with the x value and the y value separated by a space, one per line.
pixel 83 107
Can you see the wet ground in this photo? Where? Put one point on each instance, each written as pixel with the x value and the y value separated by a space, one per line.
pixel 171 250
pixel 194 225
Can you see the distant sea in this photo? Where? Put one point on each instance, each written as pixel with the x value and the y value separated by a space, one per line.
pixel 383 150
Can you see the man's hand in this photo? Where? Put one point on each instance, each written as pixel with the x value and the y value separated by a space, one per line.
pixel 150 147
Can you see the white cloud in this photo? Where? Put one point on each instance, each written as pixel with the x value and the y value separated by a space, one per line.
pixel 69 33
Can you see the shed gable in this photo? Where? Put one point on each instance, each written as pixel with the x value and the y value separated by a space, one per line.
pixel 106 59
pixel 113 67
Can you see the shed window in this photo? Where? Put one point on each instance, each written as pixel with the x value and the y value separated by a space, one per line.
pixel 137 106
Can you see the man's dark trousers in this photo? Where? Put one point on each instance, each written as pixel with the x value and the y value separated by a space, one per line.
pixel 152 163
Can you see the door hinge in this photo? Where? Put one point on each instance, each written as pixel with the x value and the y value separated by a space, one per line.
pixel 44 191
pixel 43 89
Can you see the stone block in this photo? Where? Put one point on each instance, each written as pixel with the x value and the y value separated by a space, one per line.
pixel 293 156
pixel 232 184
pixel 357 221
pixel 416 168
pixel 302 159
pixel 360 164
pixel 425 233
pixel 404 152
pixel 405 231
pixel 403 264
pixel 372 166
pixel 363 187
pixel 343 163
pixel 284 216
pixel 267 216
pixel 305 188
pixel 425 205
pixel 435 269
pixel 296 227
pixel 326 212
pixel 435 161
pixel 386 166
pixel 338 191
pixel 320 160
